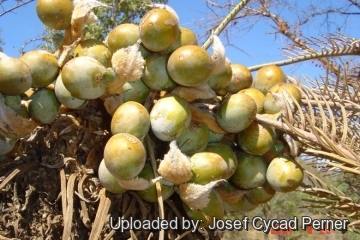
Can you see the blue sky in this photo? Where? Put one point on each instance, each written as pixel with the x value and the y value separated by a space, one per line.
pixel 253 47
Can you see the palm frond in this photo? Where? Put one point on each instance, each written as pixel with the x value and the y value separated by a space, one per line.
pixel 331 202
pixel 334 45
pixel 327 125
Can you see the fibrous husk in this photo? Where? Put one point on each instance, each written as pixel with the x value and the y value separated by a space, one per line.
pixel 176 166
pixel 13 125
pixel 232 196
pixel 282 99
pixel 137 183
pixel 166 7
pixel 83 14
pixel 196 196
pixel 210 121
pixel 112 102
pixel 195 93
pixel 128 65
pixel 83 7
pixel 218 55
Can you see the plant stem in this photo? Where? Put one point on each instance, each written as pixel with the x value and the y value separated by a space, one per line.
pixel 302 58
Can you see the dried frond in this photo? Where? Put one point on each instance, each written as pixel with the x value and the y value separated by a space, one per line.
pixel 333 204
pixel 326 124
pixel 334 45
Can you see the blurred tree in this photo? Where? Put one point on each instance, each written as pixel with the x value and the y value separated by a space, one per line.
pixel 121 11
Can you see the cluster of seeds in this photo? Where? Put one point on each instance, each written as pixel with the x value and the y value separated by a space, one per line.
pixel 163 91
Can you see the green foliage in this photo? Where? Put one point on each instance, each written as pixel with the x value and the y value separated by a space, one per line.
pixel 50 39
pixel 121 11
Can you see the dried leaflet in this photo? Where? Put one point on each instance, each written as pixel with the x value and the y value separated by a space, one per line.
pixel 176 166
pixel 195 93
pixel 196 196
pixel 293 144
pixel 13 125
pixel 128 65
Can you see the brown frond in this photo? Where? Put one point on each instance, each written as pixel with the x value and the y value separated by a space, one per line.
pixel 334 45
pixel 330 201
pixel 327 125
pixel 327 122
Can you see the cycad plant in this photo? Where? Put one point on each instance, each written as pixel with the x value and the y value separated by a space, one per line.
pixel 137 130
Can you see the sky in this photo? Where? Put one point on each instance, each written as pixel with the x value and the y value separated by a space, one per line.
pixel 254 47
